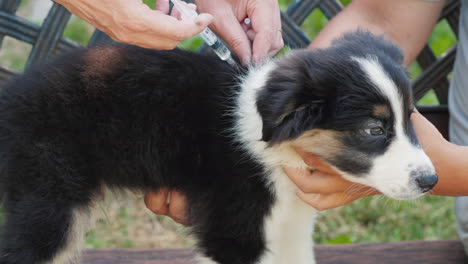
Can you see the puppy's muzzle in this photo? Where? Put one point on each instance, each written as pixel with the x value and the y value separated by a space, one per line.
pixel 424 180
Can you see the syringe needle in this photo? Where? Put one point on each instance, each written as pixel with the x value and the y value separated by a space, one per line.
pixel 207 35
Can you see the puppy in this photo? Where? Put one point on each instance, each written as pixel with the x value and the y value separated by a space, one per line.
pixel 124 117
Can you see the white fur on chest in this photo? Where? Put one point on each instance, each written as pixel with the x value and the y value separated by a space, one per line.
pixel 288 229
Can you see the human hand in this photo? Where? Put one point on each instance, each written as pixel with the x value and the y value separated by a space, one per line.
pixel 428 136
pixel 254 42
pixel 133 22
pixel 324 188
pixel 175 207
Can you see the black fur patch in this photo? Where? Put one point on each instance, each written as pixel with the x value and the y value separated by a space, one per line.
pixel 158 120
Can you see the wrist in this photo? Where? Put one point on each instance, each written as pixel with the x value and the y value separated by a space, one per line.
pixel 449 162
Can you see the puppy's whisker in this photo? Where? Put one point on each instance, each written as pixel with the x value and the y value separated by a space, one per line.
pixel 355 189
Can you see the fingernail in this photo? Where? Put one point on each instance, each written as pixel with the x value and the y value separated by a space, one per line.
pixel 182 220
pixel 258 60
pixel 191 6
pixel 246 60
pixel 180 217
pixel 203 19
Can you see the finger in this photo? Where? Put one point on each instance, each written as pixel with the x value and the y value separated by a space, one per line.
pixel 230 29
pixel 178 207
pixel 318 182
pixel 246 25
pixel 315 161
pixel 162 6
pixel 266 22
pixel 261 46
pixel 420 121
pixel 191 6
pixel 174 29
pixel 325 202
pixel 157 202
pixel 277 45
pixel 176 13
pixel 155 43
pixel 181 221
pixel 251 34
pixel 152 29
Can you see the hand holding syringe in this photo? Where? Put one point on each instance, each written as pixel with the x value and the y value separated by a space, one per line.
pixel 207 35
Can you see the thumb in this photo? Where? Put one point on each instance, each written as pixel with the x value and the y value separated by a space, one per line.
pixel 203 20
pixel 172 28
pixel 232 32
pixel 314 161
pixel 187 28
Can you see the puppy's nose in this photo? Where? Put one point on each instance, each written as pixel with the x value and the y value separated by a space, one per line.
pixel 427 182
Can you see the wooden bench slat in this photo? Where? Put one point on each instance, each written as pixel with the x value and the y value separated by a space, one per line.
pixel 414 252
pixel 137 256
pixel 427 252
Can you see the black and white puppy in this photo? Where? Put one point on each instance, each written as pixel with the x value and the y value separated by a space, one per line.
pixel 124 117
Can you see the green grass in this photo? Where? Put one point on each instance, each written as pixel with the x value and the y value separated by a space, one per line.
pixel 379 219
pixel 150 3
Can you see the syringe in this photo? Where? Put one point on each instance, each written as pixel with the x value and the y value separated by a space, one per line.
pixel 207 35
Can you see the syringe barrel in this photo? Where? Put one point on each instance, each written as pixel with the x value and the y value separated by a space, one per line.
pixel 208 36
pixel 221 50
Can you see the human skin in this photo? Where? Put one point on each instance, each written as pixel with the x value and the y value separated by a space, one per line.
pixel 326 189
pixel 254 42
pixel 133 22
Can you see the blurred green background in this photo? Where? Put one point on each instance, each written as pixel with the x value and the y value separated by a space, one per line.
pixel 126 222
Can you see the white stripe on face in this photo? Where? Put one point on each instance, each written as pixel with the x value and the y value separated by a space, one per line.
pixel 393 172
pixel 381 81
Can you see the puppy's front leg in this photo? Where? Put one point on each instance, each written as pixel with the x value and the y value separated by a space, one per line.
pixel 288 230
pixel 230 225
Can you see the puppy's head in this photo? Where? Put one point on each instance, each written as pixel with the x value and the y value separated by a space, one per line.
pixel 350 104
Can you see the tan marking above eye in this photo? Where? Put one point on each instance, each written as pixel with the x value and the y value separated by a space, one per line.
pixel 381 110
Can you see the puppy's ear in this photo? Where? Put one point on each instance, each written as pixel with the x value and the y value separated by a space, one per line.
pixel 292 100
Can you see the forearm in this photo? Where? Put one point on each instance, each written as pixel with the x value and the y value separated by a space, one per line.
pixel 408 23
pixel 451 166
pixel 450 160
pixel 135 23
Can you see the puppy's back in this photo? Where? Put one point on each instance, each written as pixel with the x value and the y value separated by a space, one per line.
pixel 108 109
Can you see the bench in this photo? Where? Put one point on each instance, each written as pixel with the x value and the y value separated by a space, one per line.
pixel 427 252
pixel 48 40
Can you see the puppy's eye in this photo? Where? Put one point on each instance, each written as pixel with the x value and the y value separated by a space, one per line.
pixel 375 131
